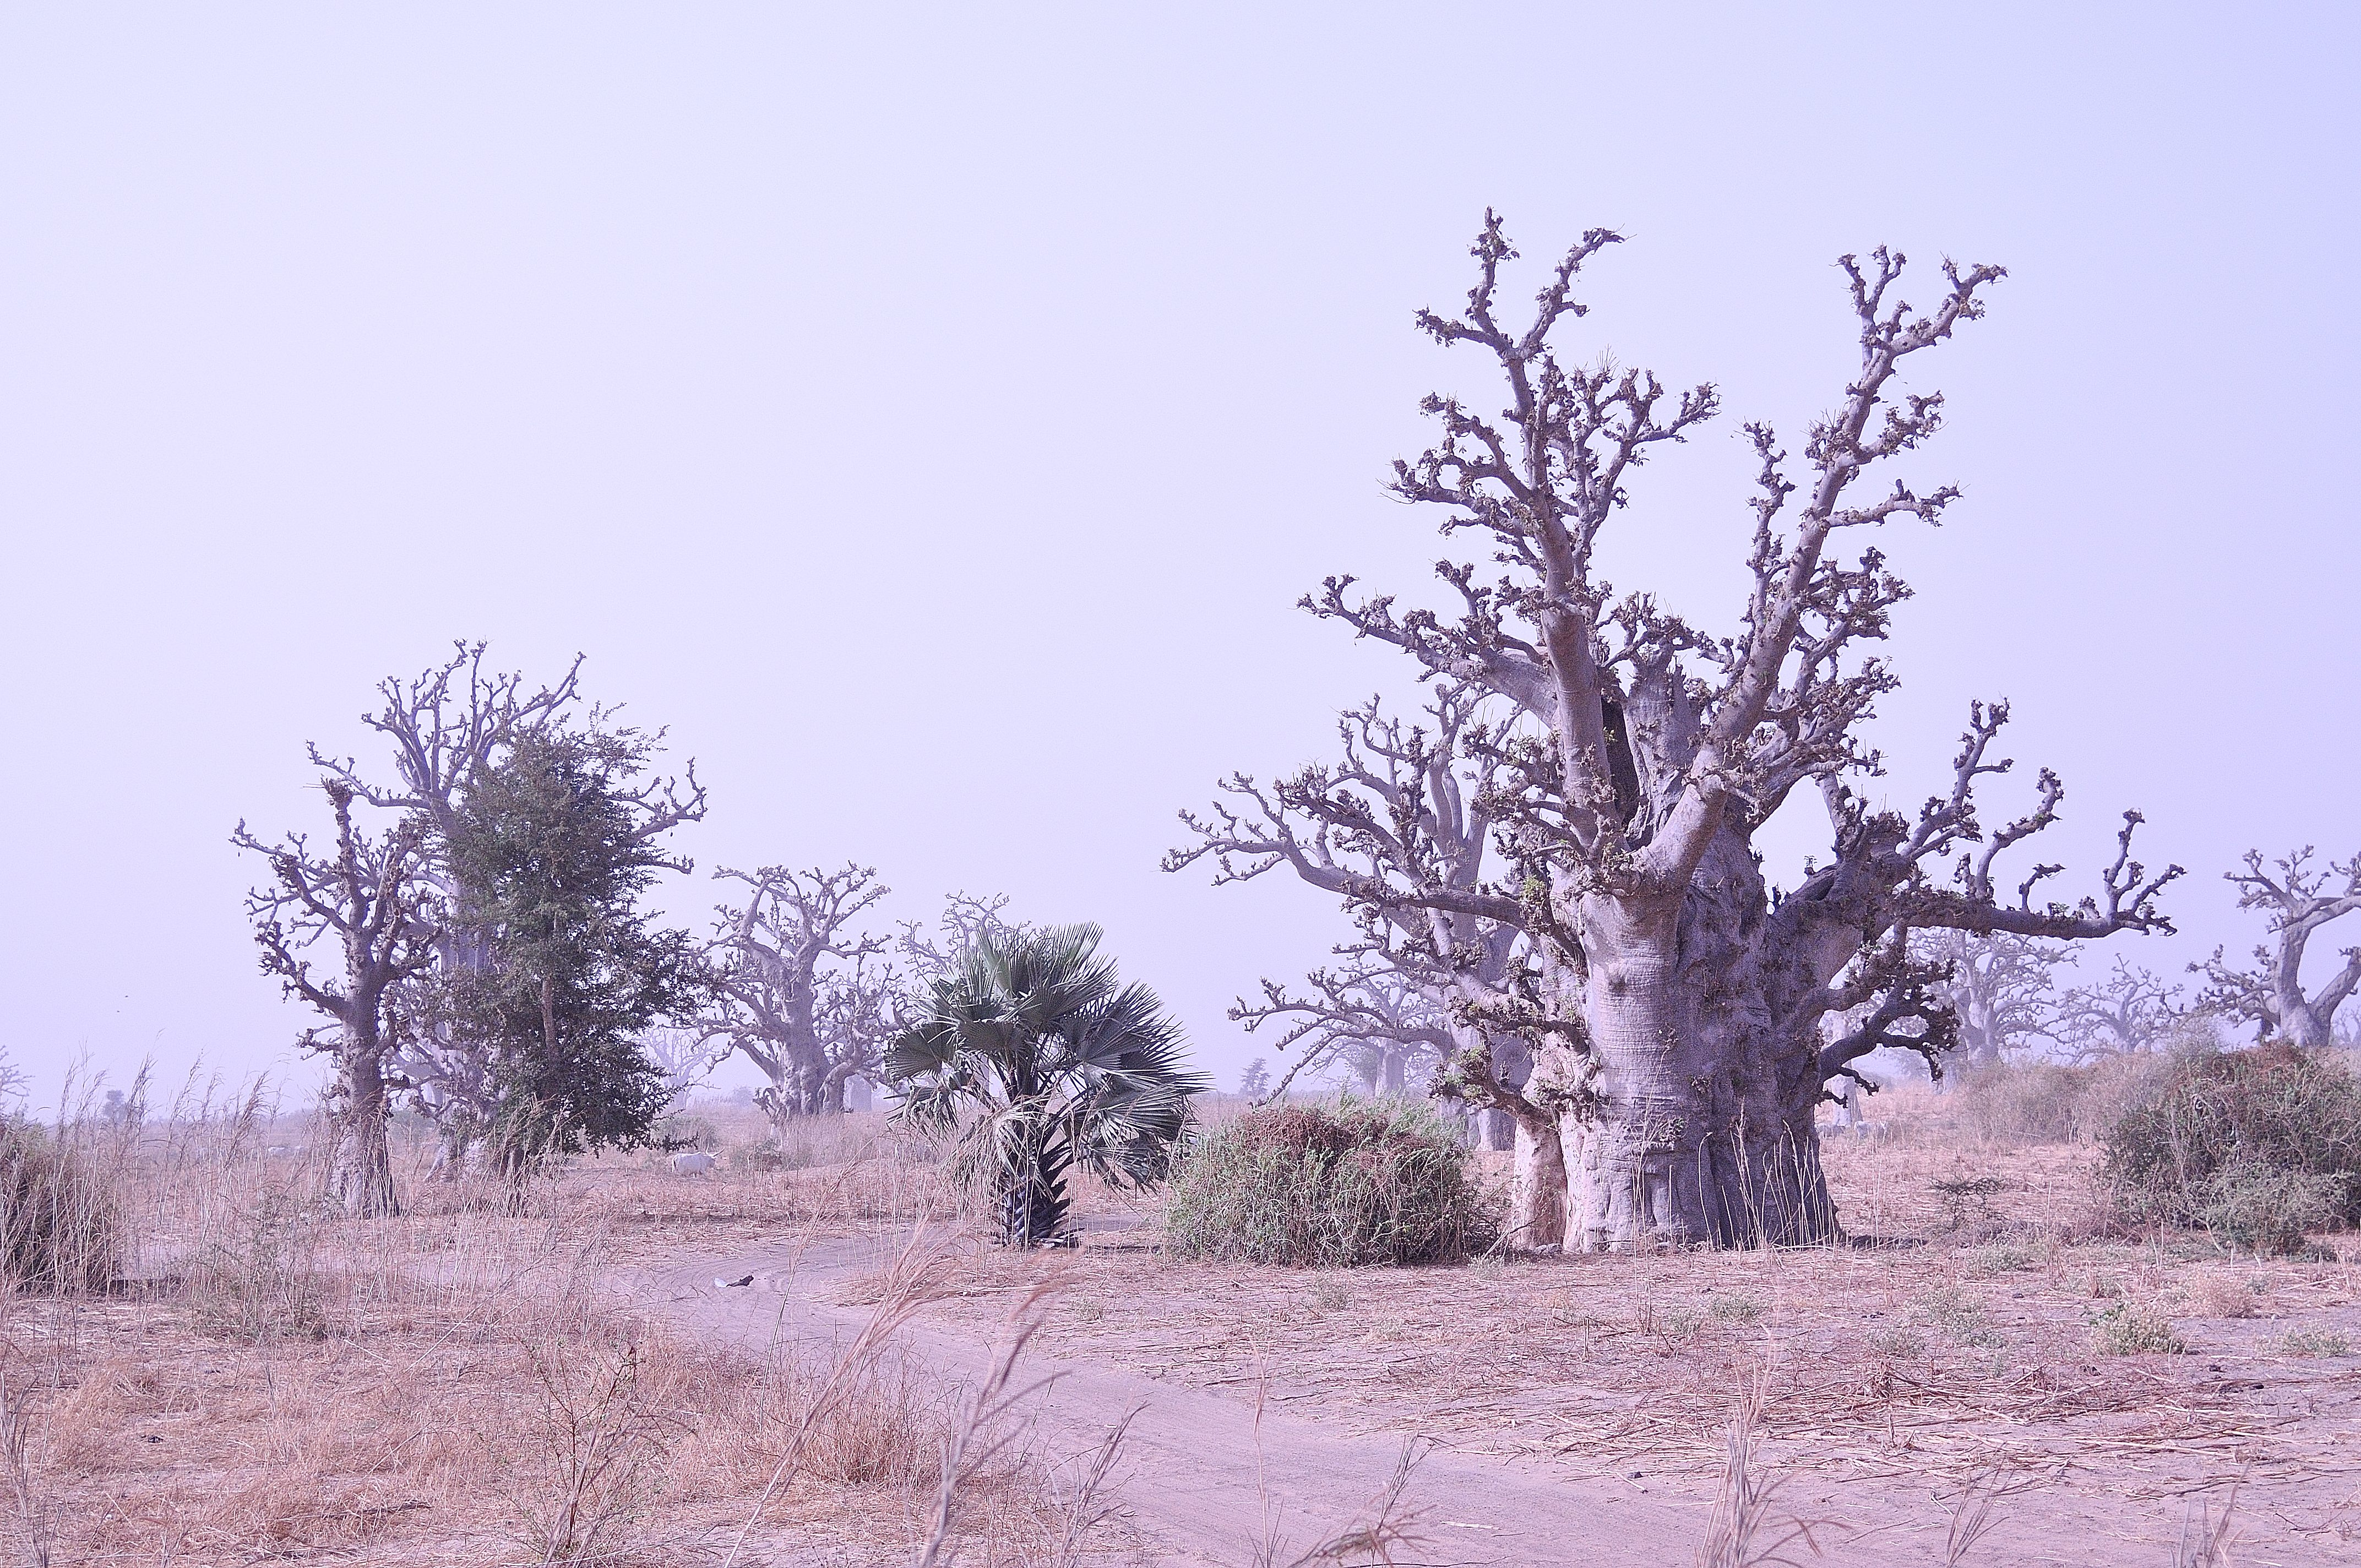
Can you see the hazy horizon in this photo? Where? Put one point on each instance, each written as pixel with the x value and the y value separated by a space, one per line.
pixel 932 420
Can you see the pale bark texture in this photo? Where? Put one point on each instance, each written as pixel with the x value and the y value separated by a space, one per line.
pixel 2299 899
pixel 369 896
pixel 1614 763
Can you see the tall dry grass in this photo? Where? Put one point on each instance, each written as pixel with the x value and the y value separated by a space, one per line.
pixel 227 1368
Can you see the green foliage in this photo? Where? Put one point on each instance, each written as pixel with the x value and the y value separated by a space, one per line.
pixel 1373 1181
pixel 552 868
pixel 61 1221
pixel 1034 1050
pixel 2122 1328
pixel 2258 1147
pixel 2315 1342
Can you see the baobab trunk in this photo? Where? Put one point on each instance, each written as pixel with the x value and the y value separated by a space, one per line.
pixel 1537 1186
pixel 1695 1123
pixel 360 1161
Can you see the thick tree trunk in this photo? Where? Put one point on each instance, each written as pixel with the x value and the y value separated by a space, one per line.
pixel 2301 1023
pixel 1696 1124
pixel 360 1161
pixel 1397 1073
pixel 1537 1188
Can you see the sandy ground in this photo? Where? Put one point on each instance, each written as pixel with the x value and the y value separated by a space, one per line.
pixel 1574 1410
pixel 383 1391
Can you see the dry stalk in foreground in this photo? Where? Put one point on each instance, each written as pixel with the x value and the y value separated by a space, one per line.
pixel 1739 1533
pixel 902 1290
pixel 1389 1526
pixel 1087 1507
pixel 1971 1519
pixel 985 1431
pixel 36 1512
pixel 2205 1539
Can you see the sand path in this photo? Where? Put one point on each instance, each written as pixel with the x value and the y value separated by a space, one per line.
pixel 1204 1479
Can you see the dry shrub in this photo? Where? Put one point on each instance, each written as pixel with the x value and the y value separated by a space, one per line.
pixel 2212 1293
pixel 883 1424
pixel 2016 1103
pixel 62 1210
pixel 593 1477
pixel 2258 1147
pixel 1371 1181
pixel 260 1279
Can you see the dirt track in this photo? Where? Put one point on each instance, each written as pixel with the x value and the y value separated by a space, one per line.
pixel 1205 1478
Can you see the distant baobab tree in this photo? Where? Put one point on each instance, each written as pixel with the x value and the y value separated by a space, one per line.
pixel 2300 899
pixel 799 992
pixel 2131 1010
pixel 369 896
pixel 1669 998
pixel 2001 988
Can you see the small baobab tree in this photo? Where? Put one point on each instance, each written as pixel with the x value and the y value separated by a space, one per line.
pixel 1672 1001
pixel 2298 898
pixel 800 992
pixel 370 896
pixel 2132 1010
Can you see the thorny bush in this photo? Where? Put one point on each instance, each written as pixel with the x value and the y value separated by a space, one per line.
pixel 2258 1147
pixel 61 1221
pixel 1368 1183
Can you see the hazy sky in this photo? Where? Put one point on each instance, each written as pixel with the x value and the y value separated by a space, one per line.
pixel 933 415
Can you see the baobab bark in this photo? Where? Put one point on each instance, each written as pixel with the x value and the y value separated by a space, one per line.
pixel 1537 1186
pixel 360 1162
pixel 1696 1121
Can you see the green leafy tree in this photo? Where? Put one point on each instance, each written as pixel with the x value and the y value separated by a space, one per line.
pixel 551 859
pixel 1034 1048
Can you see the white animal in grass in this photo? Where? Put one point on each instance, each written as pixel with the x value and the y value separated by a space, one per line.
pixel 693 1164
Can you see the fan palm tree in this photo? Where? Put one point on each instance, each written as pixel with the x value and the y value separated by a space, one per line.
pixel 1044 1060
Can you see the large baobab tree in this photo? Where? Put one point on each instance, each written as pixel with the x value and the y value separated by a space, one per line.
pixel 1671 1001
pixel 370 895
pixel 801 995
pixel 2300 898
